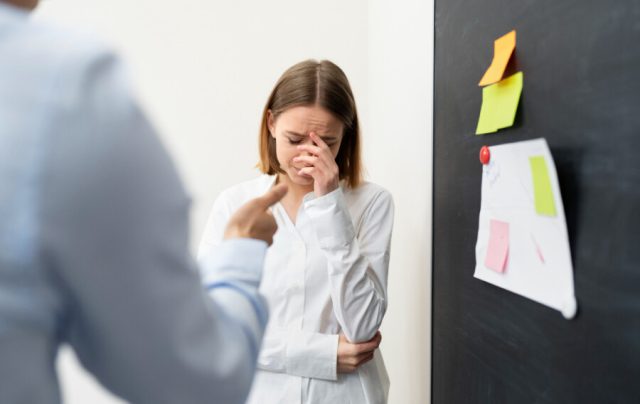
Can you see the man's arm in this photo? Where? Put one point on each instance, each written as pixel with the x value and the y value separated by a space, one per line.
pixel 115 234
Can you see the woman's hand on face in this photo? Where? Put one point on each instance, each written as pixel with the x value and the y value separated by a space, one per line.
pixel 320 164
pixel 352 356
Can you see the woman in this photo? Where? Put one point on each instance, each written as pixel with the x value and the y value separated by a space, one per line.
pixel 325 275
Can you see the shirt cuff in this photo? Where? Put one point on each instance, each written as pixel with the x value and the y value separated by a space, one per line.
pixel 239 259
pixel 331 219
pixel 312 355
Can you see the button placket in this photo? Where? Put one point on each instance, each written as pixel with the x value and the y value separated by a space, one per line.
pixel 296 286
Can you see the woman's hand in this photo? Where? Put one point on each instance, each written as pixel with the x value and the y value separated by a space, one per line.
pixel 321 165
pixel 352 356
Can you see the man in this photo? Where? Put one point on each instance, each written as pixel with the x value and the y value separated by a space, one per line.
pixel 93 238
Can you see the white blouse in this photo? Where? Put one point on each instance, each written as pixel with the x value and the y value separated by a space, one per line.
pixel 324 275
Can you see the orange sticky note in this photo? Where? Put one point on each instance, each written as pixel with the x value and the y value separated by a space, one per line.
pixel 502 49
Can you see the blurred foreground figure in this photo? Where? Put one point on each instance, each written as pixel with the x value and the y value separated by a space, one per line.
pixel 94 238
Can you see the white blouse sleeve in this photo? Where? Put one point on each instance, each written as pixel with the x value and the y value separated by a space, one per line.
pixel 290 351
pixel 358 262
pixel 299 353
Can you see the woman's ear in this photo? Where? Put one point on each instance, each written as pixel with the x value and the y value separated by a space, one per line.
pixel 271 124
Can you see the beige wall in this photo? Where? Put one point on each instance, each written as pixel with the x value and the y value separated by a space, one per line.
pixel 203 70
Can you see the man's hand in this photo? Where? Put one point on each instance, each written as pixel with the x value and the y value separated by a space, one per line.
pixel 253 219
pixel 352 356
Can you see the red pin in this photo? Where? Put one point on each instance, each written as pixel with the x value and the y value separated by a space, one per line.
pixel 485 155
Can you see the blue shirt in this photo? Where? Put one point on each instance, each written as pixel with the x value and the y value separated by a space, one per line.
pixel 94 239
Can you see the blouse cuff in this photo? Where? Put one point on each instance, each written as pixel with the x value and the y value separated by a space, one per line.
pixel 312 355
pixel 331 219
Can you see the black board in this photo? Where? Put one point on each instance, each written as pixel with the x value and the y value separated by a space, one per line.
pixel 581 64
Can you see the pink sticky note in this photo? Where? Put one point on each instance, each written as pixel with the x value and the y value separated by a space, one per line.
pixel 498 250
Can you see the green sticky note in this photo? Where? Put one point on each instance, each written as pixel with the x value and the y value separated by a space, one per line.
pixel 499 104
pixel 543 194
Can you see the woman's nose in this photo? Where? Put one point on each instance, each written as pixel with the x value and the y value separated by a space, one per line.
pixel 309 142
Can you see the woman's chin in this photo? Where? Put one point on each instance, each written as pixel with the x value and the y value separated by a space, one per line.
pixel 300 179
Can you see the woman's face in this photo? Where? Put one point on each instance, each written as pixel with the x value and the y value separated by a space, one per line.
pixel 292 128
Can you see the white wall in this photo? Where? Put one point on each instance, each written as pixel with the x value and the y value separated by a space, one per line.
pixel 203 70
pixel 399 150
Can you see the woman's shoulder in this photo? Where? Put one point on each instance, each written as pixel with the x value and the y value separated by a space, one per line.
pixel 242 192
pixel 367 190
pixel 367 193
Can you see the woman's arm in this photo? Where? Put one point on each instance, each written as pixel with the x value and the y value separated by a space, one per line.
pixel 358 261
pixel 299 353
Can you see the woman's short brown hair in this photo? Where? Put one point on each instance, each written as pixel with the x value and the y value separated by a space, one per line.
pixel 315 83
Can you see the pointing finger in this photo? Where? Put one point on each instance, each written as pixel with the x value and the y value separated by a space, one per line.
pixel 272 196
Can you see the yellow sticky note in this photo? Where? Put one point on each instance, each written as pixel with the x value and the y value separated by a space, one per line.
pixel 502 49
pixel 543 193
pixel 499 104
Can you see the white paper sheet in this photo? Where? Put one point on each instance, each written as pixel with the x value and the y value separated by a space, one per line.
pixel 539 258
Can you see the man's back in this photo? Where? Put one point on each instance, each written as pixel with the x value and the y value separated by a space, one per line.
pixel 31 305
pixel 93 239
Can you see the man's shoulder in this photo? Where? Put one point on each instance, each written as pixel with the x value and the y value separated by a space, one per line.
pixel 56 50
pixel 70 39
pixel 367 191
